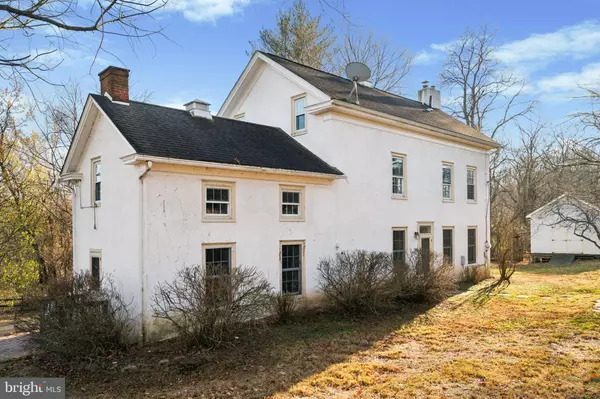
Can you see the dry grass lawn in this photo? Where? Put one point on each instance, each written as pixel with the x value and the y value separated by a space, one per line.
pixel 539 338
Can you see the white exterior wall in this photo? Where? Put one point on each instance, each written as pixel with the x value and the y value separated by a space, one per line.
pixel 117 218
pixel 175 232
pixel 549 239
pixel 365 211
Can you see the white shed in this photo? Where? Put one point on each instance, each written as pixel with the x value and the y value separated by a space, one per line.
pixel 551 234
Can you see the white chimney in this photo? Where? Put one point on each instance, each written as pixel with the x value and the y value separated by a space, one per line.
pixel 198 108
pixel 430 96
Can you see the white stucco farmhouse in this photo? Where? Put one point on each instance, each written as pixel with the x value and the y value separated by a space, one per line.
pixel 288 171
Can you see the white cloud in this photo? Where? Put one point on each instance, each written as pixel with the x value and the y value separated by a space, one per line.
pixel 434 53
pixel 207 10
pixel 576 41
pixel 569 83
pixel 423 57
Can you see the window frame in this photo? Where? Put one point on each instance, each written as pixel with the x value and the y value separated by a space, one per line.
pixel 229 185
pixel 405 230
pixel 232 256
pixel 404 194
pixel 298 132
pixel 240 117
pixel 219 245
pixel 449 165
pixel 451 229
pixel 474 246
pixel 93 162
pixel 302 280
pixel 96 253
pixel 301 208
pixel 474 199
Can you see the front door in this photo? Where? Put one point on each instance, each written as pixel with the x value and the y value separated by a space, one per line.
pixel 425 244
pixel 425 252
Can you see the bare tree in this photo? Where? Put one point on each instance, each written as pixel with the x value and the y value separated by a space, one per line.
pixel 481 84
pixel 52 24
pixel 389 65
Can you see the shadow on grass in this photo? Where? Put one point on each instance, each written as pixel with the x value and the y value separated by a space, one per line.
pixel 485 293
pixel 575 268
pixel 262 363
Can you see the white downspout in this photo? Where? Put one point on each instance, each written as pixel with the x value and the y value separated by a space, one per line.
pixel 142 248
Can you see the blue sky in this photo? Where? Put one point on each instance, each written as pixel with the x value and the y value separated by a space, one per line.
pixel 554 45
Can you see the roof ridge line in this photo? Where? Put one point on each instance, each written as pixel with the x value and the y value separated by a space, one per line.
pixel 337 76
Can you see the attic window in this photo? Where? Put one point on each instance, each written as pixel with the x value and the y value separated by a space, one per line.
pixel 299 115
pixel 96 181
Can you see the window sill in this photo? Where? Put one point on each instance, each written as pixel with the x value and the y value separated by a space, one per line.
pixel 217 220
pixel 448 201
pixel 399 197
pixel 299 133
pixel 472 202
pixel 291 219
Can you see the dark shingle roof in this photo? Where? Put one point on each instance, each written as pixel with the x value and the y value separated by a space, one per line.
pixel 173 133
pixel 338 88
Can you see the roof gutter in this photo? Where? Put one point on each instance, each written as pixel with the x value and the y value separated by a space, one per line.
pixel 376 116
pixel 133 159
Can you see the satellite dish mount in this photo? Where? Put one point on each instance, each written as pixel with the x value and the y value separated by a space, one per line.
pixel 357 72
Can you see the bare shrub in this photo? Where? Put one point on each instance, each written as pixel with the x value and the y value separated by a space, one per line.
pixel 474 274
pixel 423 278
pixel 356 281
pixel 74 319
pixel 210 310
pixel 283 306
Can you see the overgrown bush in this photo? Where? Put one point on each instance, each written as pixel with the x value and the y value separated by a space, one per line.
pixel 356 281
pixel 74 320
pixel 283 306
pixel 474 274
pixel 211 310
pixel 423 278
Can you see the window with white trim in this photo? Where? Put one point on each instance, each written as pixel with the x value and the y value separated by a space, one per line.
pixel 299 122
pixel 398 178
pixel 291 267
pixel 448 244
pixel 471 183
pixel 399 246
pixel 219 201
pixel 471 245
pixel 292 203
pixel 96 267
pixel 96 181
pixel 447 189
pixel 218 261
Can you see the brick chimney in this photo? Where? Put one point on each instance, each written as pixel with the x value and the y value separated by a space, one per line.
pixel 115 82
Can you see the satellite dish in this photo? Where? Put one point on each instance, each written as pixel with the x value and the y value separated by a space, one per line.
pixel 358 72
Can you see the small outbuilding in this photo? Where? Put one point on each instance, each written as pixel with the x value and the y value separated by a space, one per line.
pixel 565 226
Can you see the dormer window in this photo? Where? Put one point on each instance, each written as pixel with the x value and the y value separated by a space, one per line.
pixel 299 115
pixel 96 181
